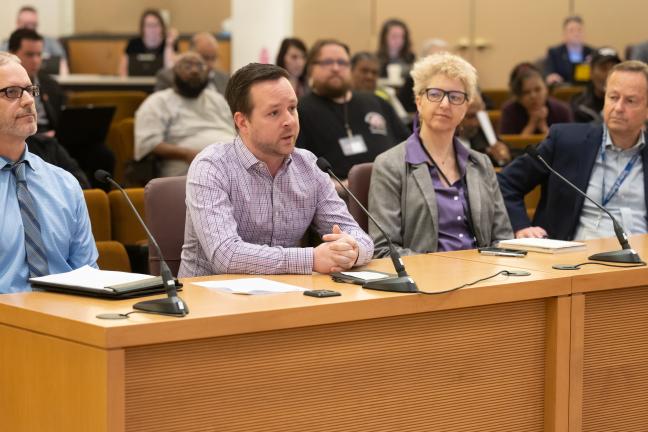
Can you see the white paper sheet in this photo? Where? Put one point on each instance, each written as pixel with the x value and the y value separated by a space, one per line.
pixel 366 275
pixel 250 286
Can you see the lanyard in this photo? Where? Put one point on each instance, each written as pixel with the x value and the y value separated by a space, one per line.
pixel 620 179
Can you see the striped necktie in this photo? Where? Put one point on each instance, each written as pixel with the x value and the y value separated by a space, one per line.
pixel 36 256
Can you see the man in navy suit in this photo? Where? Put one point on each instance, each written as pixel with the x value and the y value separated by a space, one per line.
pixel 607 161
pixel 562 59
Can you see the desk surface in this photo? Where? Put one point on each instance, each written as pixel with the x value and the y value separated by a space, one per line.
pixel 89 82
pixel 214 313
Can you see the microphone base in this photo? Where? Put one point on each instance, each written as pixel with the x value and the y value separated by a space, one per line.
pixel 628 256
pixel 403 284
pixel 173 306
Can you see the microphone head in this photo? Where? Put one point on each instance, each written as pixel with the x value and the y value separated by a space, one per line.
pixel 532 151
pixel 102 175
pixel 323 164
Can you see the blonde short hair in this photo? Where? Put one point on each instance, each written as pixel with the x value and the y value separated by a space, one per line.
pixel 6 58
pixel 444 63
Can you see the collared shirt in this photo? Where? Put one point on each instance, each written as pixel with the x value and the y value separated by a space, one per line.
pixel 62 215
pixel 241 219
pixel 167 117
pixel 452 201
pixel 628 205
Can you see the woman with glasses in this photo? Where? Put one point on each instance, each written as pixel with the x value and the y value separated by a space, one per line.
pixel 431 193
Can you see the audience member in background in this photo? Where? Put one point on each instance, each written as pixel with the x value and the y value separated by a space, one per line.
pixel 471 134
pixel 154 48
pixel 608 161
pixel 588 106
pixel 531 111
pixel 177 123
pixel 206 45
pixel 430 193
pixel 344 126
pixel 562 59
pixel 395 48
pixel 27 45
pixel 640 52
pixel 406 91
pixel 292 57
pixel 364 77
pixel 53 53
pixel 251 200
pixel 44 226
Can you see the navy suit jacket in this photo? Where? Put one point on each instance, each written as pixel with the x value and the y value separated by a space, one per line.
pixel 558 61
pixel 571 149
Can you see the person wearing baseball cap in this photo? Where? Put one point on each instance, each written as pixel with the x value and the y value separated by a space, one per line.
pixel 588 105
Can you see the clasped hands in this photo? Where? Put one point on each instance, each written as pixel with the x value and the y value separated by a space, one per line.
pixel 338 252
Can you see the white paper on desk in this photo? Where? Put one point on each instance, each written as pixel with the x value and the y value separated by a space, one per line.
pixel 250 286
pixel 91 277
pixel 366 275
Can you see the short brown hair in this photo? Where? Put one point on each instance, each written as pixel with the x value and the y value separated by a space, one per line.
pixel 314 52
pixel 237 92
pixel 631 66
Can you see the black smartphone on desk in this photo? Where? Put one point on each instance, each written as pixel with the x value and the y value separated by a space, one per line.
pixel 502 252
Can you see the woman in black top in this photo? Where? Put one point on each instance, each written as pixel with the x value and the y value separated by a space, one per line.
pixel 395 47
pixel 153 50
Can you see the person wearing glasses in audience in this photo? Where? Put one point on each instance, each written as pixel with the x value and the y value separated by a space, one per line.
pixel 430 192
pixel 44 224
pixel 344 126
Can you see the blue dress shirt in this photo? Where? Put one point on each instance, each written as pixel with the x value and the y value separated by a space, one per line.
pixel 63 217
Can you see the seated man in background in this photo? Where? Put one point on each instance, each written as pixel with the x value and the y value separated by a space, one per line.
pixel 251 200
pixel 206 45
pixel 562 59
pixel 27 45
pixel 588 106
pixel 344 126
pixel 44 223
pixel 177 123
pixel 53 51
pixel 471 134
pixel 609 162
pixel 365 67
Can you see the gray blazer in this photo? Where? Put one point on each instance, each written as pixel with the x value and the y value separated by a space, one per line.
pixel 402 199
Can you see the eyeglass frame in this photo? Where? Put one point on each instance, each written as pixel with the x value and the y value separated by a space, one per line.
pixel 330 62
pixel 446 93
pixel 33 90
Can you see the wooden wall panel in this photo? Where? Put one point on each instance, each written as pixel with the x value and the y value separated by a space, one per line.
pixel 473 369
pixel 615 361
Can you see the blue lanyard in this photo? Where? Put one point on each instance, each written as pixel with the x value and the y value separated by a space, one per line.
pixel 620 179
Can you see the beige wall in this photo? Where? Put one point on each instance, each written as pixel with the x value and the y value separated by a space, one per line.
pixel 516 30
pixel 122 16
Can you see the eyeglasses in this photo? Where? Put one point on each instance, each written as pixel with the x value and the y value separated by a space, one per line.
pixel 16 92
pixel 187 66
pixel 330 62
pixel 454 97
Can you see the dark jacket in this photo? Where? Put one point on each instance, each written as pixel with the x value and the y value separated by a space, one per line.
pixel 52 152
pixel 558 61
pixel 53 97
pixel 570 149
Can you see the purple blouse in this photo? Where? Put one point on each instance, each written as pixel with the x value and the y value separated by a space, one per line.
pixel 452 201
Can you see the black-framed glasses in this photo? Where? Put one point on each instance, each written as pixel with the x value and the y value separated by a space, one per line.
pixel 16 92
pixel 330 62
pixel 454 97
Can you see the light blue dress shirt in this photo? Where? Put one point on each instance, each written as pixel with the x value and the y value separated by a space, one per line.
pixel 628 205
pixel 63 217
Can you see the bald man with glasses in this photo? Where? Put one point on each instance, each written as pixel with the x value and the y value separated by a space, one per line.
pixel 44 223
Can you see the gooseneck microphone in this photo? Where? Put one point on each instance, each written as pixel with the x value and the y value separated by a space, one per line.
pixel 401 283
pixel 172 305
pixel 626 254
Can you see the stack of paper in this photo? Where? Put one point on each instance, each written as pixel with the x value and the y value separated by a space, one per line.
pixel 250 286
pixel 542 245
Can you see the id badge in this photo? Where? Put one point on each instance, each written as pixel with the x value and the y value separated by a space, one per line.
pixel 353 145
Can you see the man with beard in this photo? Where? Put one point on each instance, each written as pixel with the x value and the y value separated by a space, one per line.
pixel 471 135
pixel 250 200
pixel 177 123
pixel 44 223
pixel 344 126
